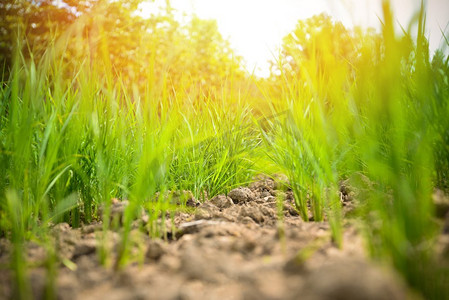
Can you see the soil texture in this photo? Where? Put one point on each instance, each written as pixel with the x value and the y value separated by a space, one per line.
pixel 249 244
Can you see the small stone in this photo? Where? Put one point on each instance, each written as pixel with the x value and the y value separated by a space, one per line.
pixel 222 201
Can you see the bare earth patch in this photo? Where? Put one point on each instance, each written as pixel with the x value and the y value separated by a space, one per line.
pixel 231 247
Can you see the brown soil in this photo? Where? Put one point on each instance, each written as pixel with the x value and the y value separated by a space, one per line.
pixel 231 247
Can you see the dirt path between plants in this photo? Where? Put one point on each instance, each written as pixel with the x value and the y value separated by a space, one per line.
pixel 231 247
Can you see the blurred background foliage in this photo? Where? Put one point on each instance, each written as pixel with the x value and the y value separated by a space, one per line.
pixel 151 52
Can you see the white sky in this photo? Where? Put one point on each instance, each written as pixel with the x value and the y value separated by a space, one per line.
pixel 255 27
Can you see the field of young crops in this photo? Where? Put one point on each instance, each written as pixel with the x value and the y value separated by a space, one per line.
pixel 131 156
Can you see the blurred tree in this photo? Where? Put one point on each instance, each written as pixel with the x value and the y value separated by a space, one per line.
pixel 39 21
pixel 321 57
pixel 316 48
pixel 204 57
pixel 155 52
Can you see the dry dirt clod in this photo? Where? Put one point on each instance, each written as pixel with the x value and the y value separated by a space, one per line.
pixel 87 229
pixel 84 247
pixel 244 246
pixel 206 211
pixel 156 249
pixel 351 279
pixel 35 253
pixel 196 226
pixel 446 224
pixel 37 280
pixel 441 202
pixel 60 228
pixel 265 194
pixel 241 195
pixel 290 209
pixel 196 266
pixel 67 286
pixel 252 212
pixel 222 201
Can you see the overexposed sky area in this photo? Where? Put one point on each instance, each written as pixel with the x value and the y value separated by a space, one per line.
pixel 255 27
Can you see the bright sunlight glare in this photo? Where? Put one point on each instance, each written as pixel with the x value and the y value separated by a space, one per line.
pixel 255 27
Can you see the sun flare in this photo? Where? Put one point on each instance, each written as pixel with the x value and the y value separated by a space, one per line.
pixel 255 28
